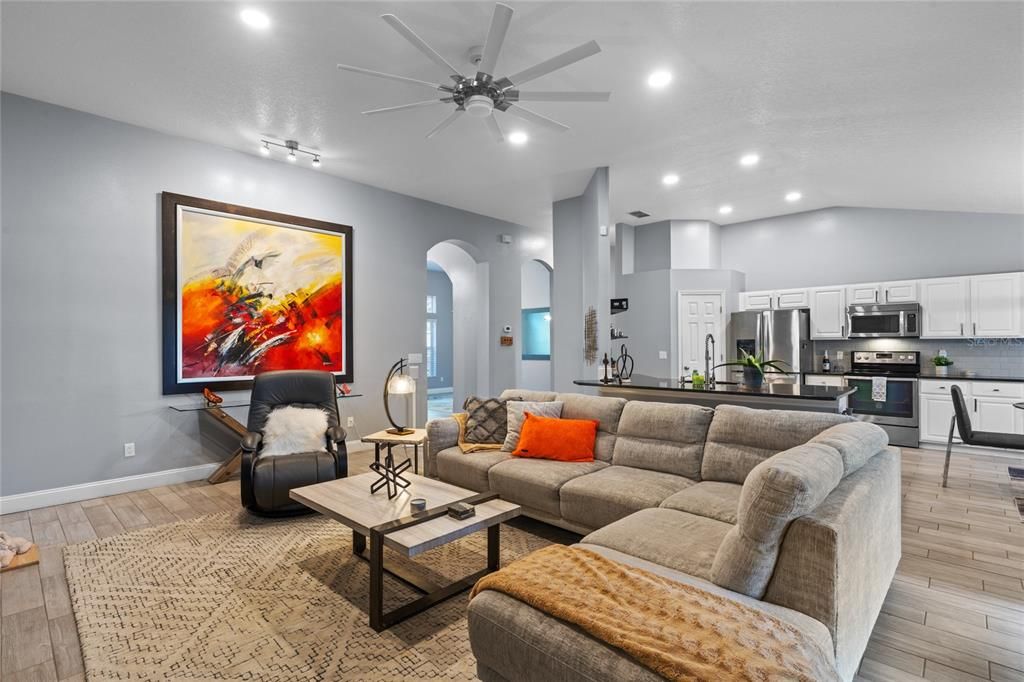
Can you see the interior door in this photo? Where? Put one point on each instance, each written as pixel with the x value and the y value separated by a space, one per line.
pixel 700 315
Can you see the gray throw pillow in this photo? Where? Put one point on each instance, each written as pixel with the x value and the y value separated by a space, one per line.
pixel 487 419
pixel 517 415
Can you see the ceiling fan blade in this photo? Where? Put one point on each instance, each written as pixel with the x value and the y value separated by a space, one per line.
pixel 515 95
pixel 419 43
pixel 400 107
pixel 534 117
pixel 555 63
pixel 445 123
pixel 390 76
pixel 495 38
pixel 492 125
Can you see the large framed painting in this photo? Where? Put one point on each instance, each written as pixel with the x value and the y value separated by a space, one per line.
pixel 247 291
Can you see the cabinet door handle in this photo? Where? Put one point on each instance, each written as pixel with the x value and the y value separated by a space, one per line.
pixel 975 404
pixel 961 329
pixel 876 295
pixel 886 295
pixel 842 330
pixel 975 328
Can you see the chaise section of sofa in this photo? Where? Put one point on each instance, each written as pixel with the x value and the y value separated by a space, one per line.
pixel 774 508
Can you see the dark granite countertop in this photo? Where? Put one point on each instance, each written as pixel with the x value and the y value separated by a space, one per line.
pixel 970 375
pixel 791 391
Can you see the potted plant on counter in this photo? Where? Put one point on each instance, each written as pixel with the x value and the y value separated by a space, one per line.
pixel 753 368
pixel 942 364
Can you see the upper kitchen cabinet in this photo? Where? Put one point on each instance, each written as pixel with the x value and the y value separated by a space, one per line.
pixel 882 292
pixel 945 307
pixel 995 305
pixel 782 299
pixel 828 313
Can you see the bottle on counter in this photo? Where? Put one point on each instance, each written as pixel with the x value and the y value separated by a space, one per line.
pixel 826 364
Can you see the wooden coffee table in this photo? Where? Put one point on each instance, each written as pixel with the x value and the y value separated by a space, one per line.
pixel 391 523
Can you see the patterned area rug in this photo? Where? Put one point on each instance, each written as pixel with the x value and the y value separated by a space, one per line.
pixel 235 597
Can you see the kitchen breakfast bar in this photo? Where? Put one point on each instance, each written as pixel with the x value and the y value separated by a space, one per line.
pixel 775 396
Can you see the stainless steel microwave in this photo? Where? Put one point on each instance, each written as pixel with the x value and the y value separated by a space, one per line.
pixel 884 320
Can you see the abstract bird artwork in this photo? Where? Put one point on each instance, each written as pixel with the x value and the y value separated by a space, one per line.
pixel 252 291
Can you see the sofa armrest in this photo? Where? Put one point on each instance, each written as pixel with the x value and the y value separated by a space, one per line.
pixel 836 563
pixel 441 435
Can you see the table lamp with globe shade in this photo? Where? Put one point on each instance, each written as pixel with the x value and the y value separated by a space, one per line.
pixel 398 383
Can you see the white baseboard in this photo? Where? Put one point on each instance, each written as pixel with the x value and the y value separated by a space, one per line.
pixel 113 486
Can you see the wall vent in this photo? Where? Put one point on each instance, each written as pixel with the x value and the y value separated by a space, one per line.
pixel 640 214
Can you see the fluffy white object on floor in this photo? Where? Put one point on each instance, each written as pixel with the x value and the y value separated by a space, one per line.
pixel 290 430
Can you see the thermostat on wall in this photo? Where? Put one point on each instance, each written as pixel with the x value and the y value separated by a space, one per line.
pixel 507 329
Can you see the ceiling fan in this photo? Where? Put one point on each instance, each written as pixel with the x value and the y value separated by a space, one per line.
pixel 480 95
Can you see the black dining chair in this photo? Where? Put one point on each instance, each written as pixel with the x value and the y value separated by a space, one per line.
pixel 961 421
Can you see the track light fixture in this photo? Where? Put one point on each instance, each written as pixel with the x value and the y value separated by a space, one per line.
pixel 293 147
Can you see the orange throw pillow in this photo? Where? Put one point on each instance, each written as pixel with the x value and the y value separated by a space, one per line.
pixel 565 440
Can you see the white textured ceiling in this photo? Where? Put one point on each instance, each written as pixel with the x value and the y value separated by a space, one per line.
pixel 900 105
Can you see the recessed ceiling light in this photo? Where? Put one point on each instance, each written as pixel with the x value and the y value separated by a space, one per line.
pixel 749 160
pixel 518 137
pixel 659 79
pixel 794 196
pixel 725 209
pixel 254 18
pixel 670 179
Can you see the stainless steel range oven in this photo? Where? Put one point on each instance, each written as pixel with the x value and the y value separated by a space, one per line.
pixel 886 392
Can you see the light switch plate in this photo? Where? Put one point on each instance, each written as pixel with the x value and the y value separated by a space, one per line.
pixel 415 358
pixel 663 355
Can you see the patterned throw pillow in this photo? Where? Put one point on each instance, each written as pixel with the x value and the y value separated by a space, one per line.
pixel 487 420
pixel 517 414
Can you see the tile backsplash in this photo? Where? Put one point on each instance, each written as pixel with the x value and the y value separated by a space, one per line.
pixel 1006 355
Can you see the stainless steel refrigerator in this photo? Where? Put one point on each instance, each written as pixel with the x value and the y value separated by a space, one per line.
pixel 776 335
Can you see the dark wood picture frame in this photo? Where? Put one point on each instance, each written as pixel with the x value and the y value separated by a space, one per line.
pixel 170 203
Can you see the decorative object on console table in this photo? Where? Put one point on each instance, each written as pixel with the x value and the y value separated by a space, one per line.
pixel 397 383
pixel 247 291
pixel 590 336
pixel 606 362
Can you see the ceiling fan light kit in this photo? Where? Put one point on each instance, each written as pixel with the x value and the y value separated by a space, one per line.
pixel 481 95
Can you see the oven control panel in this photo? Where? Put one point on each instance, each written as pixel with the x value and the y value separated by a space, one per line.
pixel 910 357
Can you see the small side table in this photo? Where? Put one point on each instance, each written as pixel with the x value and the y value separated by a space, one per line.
pixel 389 440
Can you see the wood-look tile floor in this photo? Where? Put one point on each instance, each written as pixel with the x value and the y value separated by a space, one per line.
pixel 955 610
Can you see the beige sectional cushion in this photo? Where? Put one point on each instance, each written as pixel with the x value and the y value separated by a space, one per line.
pixel 856 442
pixel 608 495
pixel 779 490
pixel 713 499
pixel 665 437
pixel 526 394
pixel 681 541
pixel 517 410
pixel 536 482
pixel 605 410
pixel 526 645
pixel 740 438
pixel 468 470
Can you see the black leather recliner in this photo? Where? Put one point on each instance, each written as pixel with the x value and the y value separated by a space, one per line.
pixel 266 481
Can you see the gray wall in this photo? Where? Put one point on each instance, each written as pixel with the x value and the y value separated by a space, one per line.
pixel 81 286
pixel 849 245
pixel 582 279
pixel 440 286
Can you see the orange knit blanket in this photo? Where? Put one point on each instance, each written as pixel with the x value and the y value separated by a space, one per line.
pixel 679 631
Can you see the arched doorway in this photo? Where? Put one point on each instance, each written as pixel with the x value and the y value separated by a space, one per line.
pixel 438 358
pixel 460 263
pixel 535 365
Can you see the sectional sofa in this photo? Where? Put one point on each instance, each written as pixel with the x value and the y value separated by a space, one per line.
pixel 793 513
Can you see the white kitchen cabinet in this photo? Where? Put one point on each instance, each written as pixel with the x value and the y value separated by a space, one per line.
pixel 757 300
pixel 936 411
pixel 828 313
pixel 995 309
pixel 900 292
pixel 791 298
pixel 823 380
pixel 995 414
pixel 863 294
pixel 945 307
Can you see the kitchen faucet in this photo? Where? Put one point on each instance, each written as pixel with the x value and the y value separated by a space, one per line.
pixel 709 355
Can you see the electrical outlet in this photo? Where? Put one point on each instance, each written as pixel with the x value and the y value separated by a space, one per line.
pixel 350 422
pixel 839 355
pixel 129 449
pixel 663 355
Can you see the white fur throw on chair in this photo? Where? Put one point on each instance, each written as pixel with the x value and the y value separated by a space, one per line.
pixel 290 430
